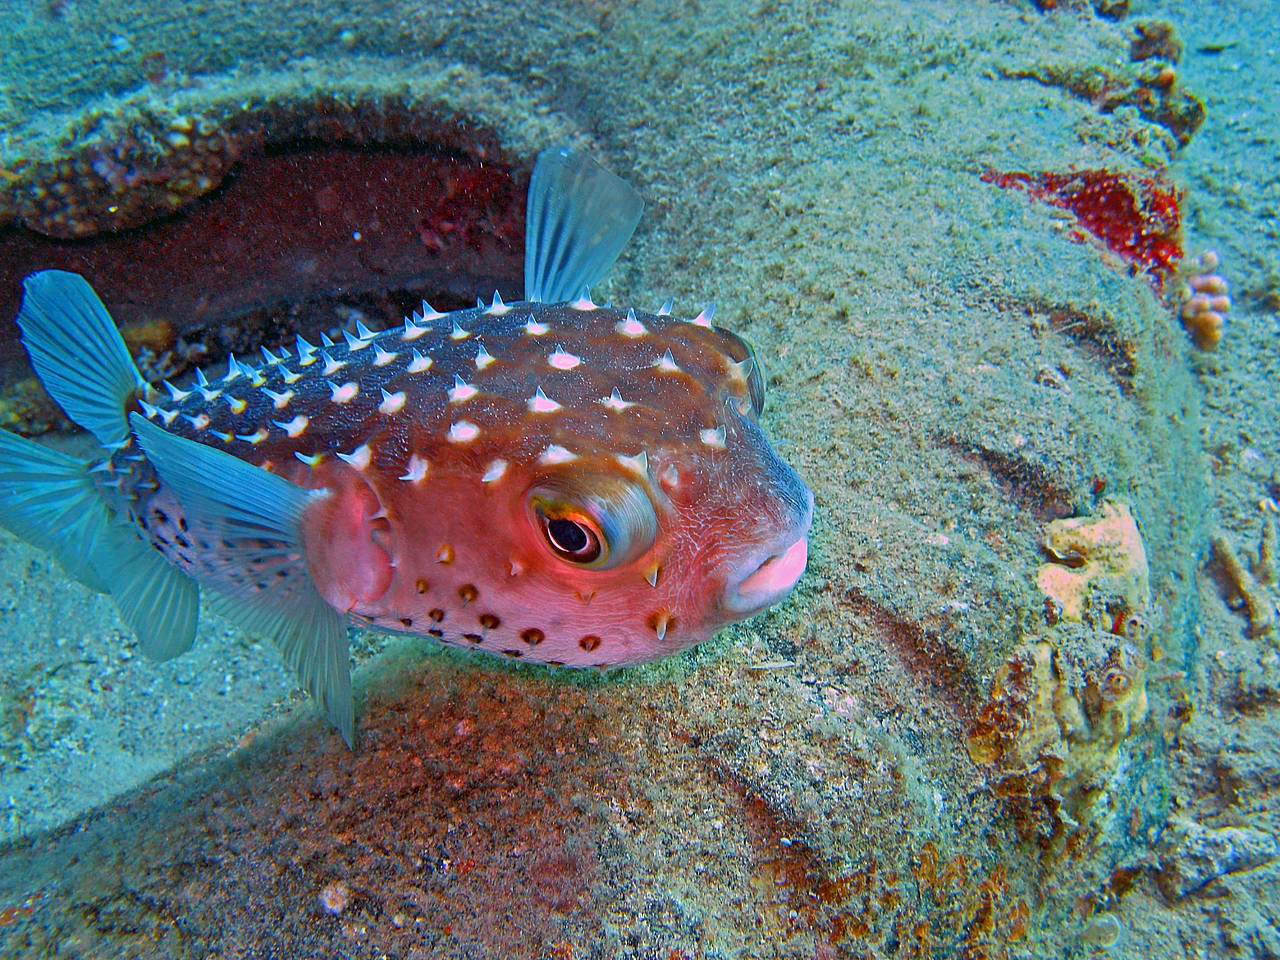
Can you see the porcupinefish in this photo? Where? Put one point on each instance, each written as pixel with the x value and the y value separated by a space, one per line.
pixel 550 479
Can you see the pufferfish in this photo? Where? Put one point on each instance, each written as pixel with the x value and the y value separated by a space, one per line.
pixel 550 479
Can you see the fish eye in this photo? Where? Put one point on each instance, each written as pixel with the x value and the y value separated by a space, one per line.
pixel 571 538
pixel 593 521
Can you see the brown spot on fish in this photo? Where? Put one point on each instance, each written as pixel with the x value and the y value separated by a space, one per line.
pixel 589 642
pixel 472 637
pixel 421 586
pixel 444 554
pixel 533 636
pixel 406 622
pixel 468 592
pixel 436 614
pixel 512 653
pixel 489 621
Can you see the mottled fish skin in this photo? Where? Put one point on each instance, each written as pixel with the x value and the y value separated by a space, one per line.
pixel 448 446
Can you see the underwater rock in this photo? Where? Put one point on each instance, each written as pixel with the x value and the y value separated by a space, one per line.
pixel 241 211
pixel 1193 855
pixel 815 169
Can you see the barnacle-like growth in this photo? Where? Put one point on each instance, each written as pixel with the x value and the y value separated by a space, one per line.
pixel 1052 730
pixel 1205 301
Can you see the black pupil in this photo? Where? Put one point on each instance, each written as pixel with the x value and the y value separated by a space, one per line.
pixel 566 535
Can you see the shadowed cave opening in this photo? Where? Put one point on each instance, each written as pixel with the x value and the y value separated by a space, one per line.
pixel 301 235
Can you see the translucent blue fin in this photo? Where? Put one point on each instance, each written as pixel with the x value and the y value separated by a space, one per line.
pixel 51 501
pixel 158 601
pixel 578 218
pixel 77 351
pixel 257 561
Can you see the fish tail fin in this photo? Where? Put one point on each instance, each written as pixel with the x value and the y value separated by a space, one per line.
pixel 578 218
pixel 78 353
pixel 51 500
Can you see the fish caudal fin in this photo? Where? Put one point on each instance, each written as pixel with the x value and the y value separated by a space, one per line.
pixel 578 218
pixel 258 563
pixel 51 501
pixel 78 353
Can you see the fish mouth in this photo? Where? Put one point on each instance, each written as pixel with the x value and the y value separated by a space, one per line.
pixel 768 576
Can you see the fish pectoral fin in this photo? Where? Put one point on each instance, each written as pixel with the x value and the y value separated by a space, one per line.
pixel 578 218
pixel 257 561
pixel 346 537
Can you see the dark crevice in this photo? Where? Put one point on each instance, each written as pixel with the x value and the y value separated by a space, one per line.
pixel 1033 485
pixel 941 668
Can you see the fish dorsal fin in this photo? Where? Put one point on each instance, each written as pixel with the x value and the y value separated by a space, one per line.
pixel 78 353
pixel 578 219
pixel 257 562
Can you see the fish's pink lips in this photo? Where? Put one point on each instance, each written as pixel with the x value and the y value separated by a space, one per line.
pixel 771 581
pixel 778 574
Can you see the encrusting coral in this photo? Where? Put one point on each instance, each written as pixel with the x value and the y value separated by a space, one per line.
pixel 1243 588
pixel 1062 707
pixel 1102 552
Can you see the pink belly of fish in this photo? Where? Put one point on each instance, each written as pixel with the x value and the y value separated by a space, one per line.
pixel 432 566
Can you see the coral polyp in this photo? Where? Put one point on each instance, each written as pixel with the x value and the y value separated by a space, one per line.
pixel 1205 300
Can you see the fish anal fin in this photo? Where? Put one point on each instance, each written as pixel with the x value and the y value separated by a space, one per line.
pixel 158 602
